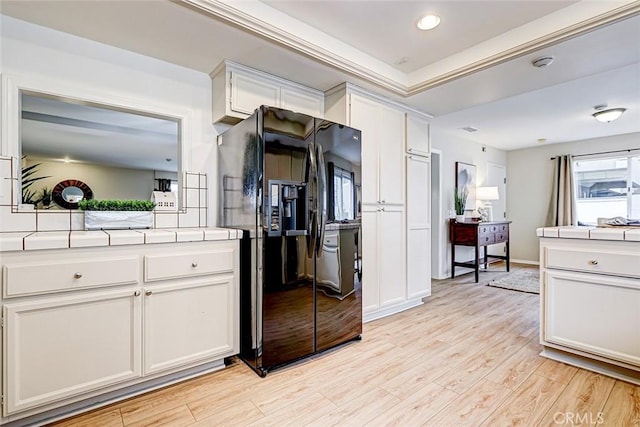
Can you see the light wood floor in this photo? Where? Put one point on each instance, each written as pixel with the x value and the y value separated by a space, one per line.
pixel 469 356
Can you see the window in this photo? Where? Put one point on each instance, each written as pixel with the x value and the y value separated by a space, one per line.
pixel 606 188
pixel 343 194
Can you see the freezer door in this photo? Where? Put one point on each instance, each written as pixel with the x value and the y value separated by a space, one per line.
pixel 288 297
pixel 338 288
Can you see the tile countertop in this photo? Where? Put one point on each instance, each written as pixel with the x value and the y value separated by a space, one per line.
pixel 26 241
pixel 593 233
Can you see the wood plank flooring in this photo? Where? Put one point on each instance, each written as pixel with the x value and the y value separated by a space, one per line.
pixel 467 357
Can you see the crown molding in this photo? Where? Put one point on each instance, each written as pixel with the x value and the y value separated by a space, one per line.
pixel 226 12
pixel 271 32
pixel 556 37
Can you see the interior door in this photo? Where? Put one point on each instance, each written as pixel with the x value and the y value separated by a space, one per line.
pixel 497 177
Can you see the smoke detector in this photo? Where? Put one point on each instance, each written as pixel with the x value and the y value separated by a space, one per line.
pixel 542 62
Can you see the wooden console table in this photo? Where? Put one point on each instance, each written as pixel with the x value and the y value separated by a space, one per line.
pixel 478 234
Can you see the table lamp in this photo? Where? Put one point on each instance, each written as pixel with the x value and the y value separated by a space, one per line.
pixel 487 194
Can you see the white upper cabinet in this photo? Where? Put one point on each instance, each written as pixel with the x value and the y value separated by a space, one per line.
pixel 418 141
pixel 390 156
pixel 239 90
pixel 382 129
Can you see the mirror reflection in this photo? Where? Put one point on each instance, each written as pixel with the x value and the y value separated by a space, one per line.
pixel 119 154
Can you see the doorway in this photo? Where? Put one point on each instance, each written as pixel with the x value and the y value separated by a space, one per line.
pixel 437 217
pixel 497 177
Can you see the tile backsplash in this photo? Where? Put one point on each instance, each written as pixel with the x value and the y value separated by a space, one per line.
pixel 193 213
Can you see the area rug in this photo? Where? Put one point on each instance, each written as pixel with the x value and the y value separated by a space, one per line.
pixel 520 280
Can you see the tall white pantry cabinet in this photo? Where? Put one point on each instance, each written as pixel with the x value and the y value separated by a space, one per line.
pixel 395 194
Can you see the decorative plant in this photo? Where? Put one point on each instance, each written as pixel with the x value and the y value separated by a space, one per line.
pixel 460 200
pixel 28 178
pixel 116 205
pixel 45 196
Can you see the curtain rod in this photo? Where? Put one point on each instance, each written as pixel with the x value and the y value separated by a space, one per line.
pixel 601 152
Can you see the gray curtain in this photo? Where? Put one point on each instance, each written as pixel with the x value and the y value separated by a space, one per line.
pixel 562 209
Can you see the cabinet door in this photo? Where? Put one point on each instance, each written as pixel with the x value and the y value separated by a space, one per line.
pixel 364 114
pixel 248 92
pixel 186 323
pixel 62 347
pixel 302 102
pixel 418 263
pixel 418 204
pixel 392 261
pixel 593 313
pixel 418 141
pixel 391 156
pixel 370 286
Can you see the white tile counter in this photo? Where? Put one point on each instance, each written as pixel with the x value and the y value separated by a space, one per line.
pixel 622 233
pixel 26 241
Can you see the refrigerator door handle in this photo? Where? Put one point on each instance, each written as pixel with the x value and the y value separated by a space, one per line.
pixel 311 178
pixel 322 199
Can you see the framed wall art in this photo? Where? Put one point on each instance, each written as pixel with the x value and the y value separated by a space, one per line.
pixel 466 180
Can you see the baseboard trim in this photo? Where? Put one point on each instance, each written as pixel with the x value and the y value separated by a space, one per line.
pixel 388 311
pixel 590 364
pixel 525 261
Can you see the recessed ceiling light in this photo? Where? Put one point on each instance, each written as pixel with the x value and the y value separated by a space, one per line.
pixel 428 22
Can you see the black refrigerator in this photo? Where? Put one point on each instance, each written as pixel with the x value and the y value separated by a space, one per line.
pixel 291 183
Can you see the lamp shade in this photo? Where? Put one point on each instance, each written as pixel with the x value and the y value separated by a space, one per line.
pixel 487 193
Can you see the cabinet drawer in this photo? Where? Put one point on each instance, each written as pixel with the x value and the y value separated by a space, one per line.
pixel 614 263
pixel 331 239
pixel 501 237
pixel 483 230
pixel 42 277
pixel 486 239
pixel 161 267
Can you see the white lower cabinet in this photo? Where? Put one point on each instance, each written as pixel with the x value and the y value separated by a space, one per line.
pixel 590 305
pixel 418 263
pixel 609 323
pixel 62 347
pixel 383 272
pixel 187 323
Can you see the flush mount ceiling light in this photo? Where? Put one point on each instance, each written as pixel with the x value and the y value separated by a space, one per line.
pixel 543 61
pixel 607 115
pixel 428 22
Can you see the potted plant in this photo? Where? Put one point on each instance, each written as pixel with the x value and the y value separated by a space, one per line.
pixel 29 196
pixel 117 214
pixel 46 197
pixel 460 201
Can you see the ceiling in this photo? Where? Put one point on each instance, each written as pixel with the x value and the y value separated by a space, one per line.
pixel 323 43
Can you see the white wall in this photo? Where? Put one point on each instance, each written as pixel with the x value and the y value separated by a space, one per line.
pixel 105 182
pixel 457 149
pixel 529 179
pixel 37 52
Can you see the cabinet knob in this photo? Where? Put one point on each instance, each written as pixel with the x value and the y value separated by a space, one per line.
pixel 593 262
pixel 136 294
pixel 194 264
pixel 382 201
pixel 381 209
pixel 148 293
pixel 410 150
pixel 77 275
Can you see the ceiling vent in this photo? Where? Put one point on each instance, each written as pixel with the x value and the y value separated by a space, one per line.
pixel 543 61
pixel 469 129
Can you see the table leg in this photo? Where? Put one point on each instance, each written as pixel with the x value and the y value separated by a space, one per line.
pixel 453 260
pixel 507 247
pixel 485 257
pixel 477 266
